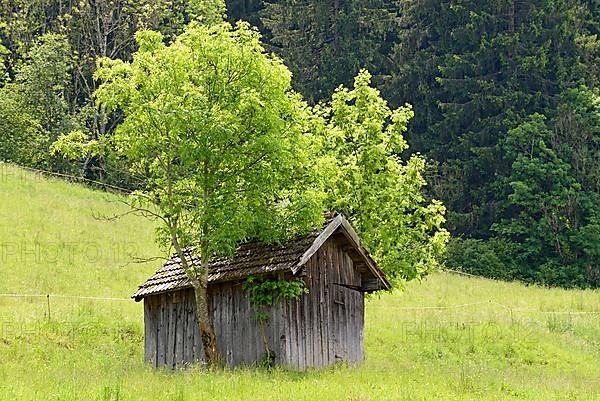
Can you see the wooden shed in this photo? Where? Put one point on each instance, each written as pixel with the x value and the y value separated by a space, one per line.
pixel 321 328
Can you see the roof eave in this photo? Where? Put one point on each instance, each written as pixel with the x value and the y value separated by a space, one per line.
pixel 353 237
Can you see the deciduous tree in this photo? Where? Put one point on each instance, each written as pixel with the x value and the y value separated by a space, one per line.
pixel 382 194
pixel 212 124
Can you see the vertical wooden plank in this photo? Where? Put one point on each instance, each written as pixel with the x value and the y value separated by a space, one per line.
pixel 172 322
pixel 147 336
pixel 250 337
pixel 335 299
pixel 318 351
pixel 186 359
pixel 355 307
pixel 257 342
pixel 270 327
pixel 223 313
pixel 238 336
pixel 150 330
pixel 358 311
pixel 307 329
pixel 349 295
pixel 323 307
pixel 353 356
pixel 344 292
pixel 340 308
pixel 313 296
pixel 225 307
pixel 358 317
pixel 188 342
pixel 344 269
pixel 175 326
pixel 231 323
pixel 361 328
pixel 291 333
pixel 358 327
pixel 345 295
pixel 245 318
pixel 216 313
pixel 324 304
pixel 299 353
pixel 329 289
pixel 235 339
pixel 347 304
pixel 167 327
pixel 283 334
pixel 272 330
pixel 316 307
pixel 286 317
pixel 180 331
pixel 161 331
pixel 238 342
pixel 230 311
pixel 221 317
pixel 190 322
pixel 299 335
pixel 238 329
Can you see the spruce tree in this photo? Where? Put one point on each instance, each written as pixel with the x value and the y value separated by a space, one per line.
pixel 474 70
pixel 326 42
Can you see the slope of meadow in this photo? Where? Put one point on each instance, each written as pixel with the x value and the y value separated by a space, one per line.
pixel 446 338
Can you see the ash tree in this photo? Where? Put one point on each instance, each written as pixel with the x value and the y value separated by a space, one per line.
pixel 381 193
pixel 212 125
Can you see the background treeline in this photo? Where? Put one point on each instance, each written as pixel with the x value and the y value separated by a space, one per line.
pixel 505 94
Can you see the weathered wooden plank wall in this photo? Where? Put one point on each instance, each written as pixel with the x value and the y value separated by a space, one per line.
pixel 320 329
pixel 329 321
pixel 172 338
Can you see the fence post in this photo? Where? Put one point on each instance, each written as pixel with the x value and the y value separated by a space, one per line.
pixel 48 298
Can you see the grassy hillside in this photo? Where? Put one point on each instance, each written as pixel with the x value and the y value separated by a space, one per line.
pixel 58 238
pixel 447 338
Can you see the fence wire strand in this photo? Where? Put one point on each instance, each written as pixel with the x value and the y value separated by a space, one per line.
pixel 62 296
pixel 404 308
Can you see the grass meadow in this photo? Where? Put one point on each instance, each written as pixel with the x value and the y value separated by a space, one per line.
pixel 446 338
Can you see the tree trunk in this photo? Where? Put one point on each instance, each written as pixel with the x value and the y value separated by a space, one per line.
pixel 205 323
pixel 200 283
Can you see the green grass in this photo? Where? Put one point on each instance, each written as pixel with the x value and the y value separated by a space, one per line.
pixel 488 341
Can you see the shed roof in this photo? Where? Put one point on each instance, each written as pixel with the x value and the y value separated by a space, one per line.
pixel 254 258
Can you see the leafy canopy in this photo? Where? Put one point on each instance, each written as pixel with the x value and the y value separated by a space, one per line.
pixel 33 108
pixel 211 124
pixel 228 152
pixel 381 193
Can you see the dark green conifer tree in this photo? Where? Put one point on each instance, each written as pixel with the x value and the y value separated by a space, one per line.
pixel 326 42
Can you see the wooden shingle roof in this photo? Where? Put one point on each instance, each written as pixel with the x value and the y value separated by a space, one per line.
pixel 257 258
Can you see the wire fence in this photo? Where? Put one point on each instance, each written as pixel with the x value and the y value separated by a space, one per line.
pixel 67 177
pixel 491 303
pixel 63 296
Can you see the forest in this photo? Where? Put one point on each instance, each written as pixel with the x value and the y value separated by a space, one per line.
pixel 504 95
